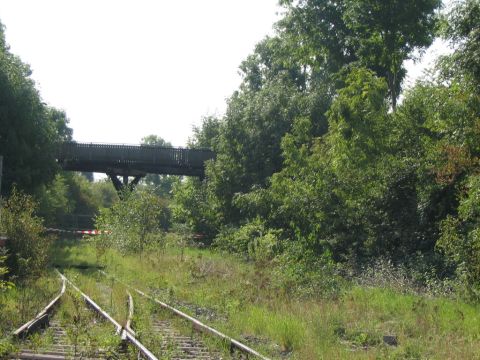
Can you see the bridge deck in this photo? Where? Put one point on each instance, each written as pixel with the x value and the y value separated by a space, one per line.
pixel 132 160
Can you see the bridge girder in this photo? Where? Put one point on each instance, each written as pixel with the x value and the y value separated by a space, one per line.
pixel 132 161
pixel 125 185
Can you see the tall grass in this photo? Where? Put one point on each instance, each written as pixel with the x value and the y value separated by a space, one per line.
pixel 245 301
pixel 22 302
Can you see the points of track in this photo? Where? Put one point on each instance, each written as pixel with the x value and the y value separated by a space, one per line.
pixel 160 333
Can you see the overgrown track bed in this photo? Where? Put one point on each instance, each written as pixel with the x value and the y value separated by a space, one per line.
pixel 120 330
pixel 149 324
pixel 191 346
pixel 55 342
pixel 34 348
pixel 79 329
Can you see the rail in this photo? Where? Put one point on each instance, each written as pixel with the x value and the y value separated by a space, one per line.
pixel 42 317
pixel 120 330
pixel 128 325
pixel 196 323
pixel 126 333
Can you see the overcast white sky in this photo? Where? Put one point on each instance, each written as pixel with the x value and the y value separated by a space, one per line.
pixel 125 69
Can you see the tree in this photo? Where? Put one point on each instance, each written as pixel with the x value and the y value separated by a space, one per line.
pixel 60 119
pixel 386 33
pixel 460 239
pixel 161 183
pixel 324 193
pixel 317 34
pixel 376 34
pixel 463 30
pixel 70 200
pixel 206 135
pixel 27 245
pixel 194 207
pixel 29 130
pixel 314 147
pixel 134 222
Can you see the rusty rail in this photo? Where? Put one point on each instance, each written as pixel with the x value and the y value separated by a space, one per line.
pixel 128 325
pixel 42 317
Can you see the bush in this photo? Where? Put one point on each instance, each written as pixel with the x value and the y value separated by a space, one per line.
pixel 303 273
pixel 253 240
pixel 3 270
pixel 460 240
pixel 133 223
pixel 27 245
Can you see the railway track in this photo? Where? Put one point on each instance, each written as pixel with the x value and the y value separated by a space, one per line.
pixel 46 336
pixel 164 340
pixel 241 348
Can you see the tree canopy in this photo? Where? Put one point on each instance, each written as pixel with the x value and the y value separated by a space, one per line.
pixel 29 129
pixel 315 150
pixel 161 183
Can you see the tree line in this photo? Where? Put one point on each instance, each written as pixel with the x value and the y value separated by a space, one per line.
pixel 325 162
pixel 324 159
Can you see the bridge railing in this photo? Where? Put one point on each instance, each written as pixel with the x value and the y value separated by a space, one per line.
pixel 134 154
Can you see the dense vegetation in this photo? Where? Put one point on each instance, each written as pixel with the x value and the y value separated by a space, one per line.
pixel 320 162
pixel 250 303
pixel 355 201
pixel 29 129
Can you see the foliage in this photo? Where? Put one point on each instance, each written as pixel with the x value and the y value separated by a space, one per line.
pixel 71 201
pixel 27 245
pixel 29 130
pixel 104 193
pixel 323 192
pixel 315 151
pixel 134 222
pixel 463 30
pixel 385 33
pixel 193 207
pixel 295 75
pixel 460 239
pixel 376 34
pixel 54 201
pixel 251 240
pixel 4 271
pixel 249 302
pixel 162 184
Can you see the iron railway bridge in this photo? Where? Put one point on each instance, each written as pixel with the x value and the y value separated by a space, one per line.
pixel 134 161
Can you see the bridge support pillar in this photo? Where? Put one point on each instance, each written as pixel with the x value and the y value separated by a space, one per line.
pixel 120 186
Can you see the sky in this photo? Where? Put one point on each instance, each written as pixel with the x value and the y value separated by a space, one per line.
pixel 124 69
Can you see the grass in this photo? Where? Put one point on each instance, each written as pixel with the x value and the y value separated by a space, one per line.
pixel 21 303
pixel 244 301
pixel 111 295
pixel 25 300
pixel 86 331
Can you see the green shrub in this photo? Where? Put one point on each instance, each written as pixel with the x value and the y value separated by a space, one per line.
pixel 27 245
pixel 253 240
pixel 264 248
pixel 460 240
pixel 133 223
pixel 3 270
pixel 301 272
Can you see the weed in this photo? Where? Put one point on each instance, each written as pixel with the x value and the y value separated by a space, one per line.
pixel 242 300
